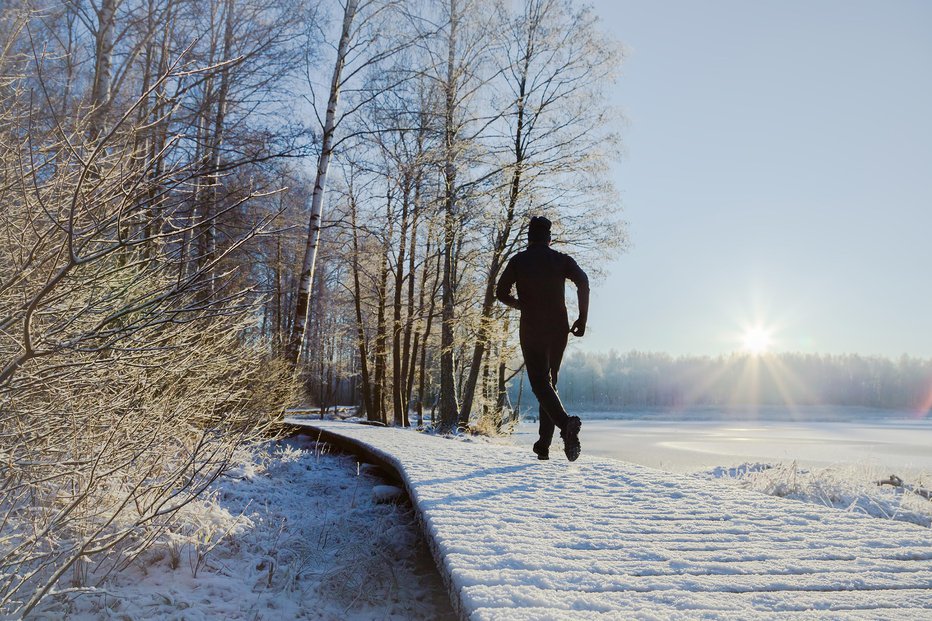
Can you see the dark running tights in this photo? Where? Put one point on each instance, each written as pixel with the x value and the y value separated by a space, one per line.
pixel 543 354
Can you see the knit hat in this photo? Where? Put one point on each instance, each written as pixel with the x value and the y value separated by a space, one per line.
pixel 538 230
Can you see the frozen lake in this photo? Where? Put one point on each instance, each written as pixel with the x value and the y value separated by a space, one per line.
pixel 701 440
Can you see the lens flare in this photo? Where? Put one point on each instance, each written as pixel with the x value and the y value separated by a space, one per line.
pixel 925 408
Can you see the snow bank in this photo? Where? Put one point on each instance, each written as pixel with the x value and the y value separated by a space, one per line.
pixel 600 539
pixel 291 532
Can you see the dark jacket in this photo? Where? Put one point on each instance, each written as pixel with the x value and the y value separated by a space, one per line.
pixel 540 272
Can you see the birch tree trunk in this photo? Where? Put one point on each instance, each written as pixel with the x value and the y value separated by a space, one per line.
pixel 103 66
pixel 409 349
pixel 306 276
pixel 422 383
pixel 381 332
pixel 210 196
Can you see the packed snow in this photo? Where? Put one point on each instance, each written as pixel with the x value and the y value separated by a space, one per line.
pixel 521 539
pixel 291 532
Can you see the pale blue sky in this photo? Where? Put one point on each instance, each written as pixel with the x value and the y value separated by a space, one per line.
pixel 777 169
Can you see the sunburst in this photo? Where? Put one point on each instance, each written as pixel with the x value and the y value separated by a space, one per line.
pixel 757 340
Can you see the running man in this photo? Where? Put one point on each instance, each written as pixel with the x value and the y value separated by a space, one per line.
pixel 540 273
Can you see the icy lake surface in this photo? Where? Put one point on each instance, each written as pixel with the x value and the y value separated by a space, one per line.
pixel 695 440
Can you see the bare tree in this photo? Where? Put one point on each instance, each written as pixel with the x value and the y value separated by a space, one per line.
pixel 364 42
pixel 456 63
pixel 491 116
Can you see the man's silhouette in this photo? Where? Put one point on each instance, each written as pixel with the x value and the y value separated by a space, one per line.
pixel 540 273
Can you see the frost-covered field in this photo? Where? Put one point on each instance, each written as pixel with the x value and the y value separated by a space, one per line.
pixel 293 532
pixel 835 461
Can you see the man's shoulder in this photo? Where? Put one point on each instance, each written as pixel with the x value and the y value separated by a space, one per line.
pixel 531 252
pixel 562 255
pixel 518 256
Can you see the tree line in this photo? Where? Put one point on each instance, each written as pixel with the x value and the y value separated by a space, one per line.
pixel 212 209
pixel 614 381
pixel 462 122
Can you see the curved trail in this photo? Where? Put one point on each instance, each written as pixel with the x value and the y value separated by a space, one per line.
pixel 515 538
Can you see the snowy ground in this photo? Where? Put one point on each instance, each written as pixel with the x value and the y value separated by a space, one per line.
pixel 521 539
pixel 293 532
pixel 296 531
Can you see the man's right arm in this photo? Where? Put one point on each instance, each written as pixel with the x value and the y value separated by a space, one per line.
pixel 579 278
pixel 505 283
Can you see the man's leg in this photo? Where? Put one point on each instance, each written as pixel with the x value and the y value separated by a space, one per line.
pixel 537 354
pixel 557 347
pixel 554 358
pixel 537 363
pixel 545 429
pixel 541 448
pixel 570 431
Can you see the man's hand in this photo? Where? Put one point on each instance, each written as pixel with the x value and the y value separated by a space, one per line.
pixel 579 328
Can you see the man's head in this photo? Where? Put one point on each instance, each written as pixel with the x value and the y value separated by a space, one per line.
pixel 538 232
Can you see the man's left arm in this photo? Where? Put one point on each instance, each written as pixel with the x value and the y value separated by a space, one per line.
pixel 579 278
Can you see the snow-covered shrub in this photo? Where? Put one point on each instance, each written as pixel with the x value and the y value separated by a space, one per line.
pixel 291 531
pixel 97 460
pixel 494 422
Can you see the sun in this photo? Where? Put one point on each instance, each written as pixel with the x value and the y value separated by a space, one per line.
pixel 756 341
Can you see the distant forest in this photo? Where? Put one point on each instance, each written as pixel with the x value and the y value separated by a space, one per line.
pixel 605 381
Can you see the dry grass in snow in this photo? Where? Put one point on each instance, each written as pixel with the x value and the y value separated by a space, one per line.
pixel 850 487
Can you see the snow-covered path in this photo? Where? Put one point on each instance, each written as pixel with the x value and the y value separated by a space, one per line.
pixel 516 538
